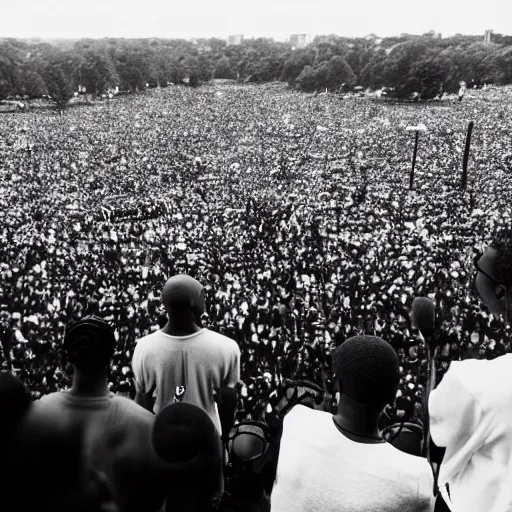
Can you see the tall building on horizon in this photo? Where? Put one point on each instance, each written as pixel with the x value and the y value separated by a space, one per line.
pixel 236 39
pixel 487 35
pixel 299 40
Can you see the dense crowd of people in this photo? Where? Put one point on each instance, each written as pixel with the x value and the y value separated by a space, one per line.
pixel 292 209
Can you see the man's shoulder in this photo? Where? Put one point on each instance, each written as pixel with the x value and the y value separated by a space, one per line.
pixel 304 415
pixel 417 467
pixel 223 341
pixel 51 399
pixel 478 373
pixel 149 340
pixel 150 337
pixel 132 409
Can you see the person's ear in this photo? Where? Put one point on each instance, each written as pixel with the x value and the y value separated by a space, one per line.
pixel 491 295
pixel 198 305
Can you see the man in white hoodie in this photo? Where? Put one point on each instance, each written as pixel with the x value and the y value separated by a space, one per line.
pixel 470 411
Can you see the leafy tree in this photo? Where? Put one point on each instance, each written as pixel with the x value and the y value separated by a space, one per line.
pixel 373 73
pixel 361 53
pixel 295 63
pixel 406 63
pixel 10 64
pixel 307 80
pixel 58 84
pixel 192 70
pixel 470 61
pixel 401 60
pixel 408 86
pixel 338 73
pixel 206 68
pixel 34 85
pixel 433 72
pixel 223 69
pixel 97 72
pixel 504 61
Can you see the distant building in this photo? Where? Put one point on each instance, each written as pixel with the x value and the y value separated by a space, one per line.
pixel 236 39
pixel 299 40
pixel 487 36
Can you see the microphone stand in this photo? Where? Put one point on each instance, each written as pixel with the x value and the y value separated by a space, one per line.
pixel 432 352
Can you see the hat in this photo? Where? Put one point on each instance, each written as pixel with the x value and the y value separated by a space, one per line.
pixel 368 370
pixel 187 441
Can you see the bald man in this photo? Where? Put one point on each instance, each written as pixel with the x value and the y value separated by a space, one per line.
pixel 183 361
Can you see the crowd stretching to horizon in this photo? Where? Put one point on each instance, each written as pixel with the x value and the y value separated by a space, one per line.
pixel 293 210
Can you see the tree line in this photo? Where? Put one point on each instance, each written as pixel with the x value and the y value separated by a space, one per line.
pixel 426 64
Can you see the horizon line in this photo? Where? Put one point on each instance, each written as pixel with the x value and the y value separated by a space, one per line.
pixel 248 36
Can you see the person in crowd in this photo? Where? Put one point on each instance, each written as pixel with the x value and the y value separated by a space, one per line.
pixel 340 461
pixel 470 412
pixel 184 361
pixel 189 445
pixel 117 431
pixel 43 459
pixel 285 267
pixel 100 211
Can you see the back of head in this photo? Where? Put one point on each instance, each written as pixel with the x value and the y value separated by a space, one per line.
pixel 367 370
pixel 188 444
pixel 493 279
pixel 89 344
pixel 407 441
pixel 503 244
pixel 183 293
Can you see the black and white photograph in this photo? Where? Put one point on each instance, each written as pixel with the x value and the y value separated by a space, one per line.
pixel 256 256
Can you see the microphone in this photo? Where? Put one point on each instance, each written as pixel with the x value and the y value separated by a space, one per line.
pixel 423 318
pixel 227 400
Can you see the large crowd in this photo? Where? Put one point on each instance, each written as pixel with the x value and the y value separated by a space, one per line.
pixel 293 210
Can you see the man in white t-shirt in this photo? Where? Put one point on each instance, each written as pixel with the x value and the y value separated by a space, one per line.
pixel 470 412
pixel 184 362
pixel 340 462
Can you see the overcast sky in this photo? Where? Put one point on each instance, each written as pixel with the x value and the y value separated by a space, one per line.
pixel 254 18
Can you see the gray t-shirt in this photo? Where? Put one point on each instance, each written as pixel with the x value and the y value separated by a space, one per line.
pixel 202 362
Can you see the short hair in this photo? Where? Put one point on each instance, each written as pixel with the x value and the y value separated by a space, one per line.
pixel 503 244
pixel 90 343
pixel 367 369
pixel 183 293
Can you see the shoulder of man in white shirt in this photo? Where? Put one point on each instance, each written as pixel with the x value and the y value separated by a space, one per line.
pixel 469 385
pixel 304 414
pixel 229 342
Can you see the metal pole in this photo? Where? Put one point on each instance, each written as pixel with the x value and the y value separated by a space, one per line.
pixel 464 180
pixel 411 178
